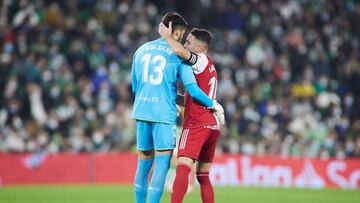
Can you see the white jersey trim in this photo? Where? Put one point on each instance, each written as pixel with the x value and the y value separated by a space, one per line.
pixel 201 63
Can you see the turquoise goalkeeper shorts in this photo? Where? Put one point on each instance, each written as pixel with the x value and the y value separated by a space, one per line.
pixel 152 135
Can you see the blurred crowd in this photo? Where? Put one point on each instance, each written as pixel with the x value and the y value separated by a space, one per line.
pixel 289 73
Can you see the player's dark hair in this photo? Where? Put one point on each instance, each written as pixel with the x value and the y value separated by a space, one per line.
pixel 178 22
pixel 202 35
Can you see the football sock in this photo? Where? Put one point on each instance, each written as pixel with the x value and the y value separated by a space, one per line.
pixel 141 179
pixel 162 164
pixel 207 192
pixel 181 183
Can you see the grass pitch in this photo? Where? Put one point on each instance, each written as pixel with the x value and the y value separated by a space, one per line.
pixel 124 194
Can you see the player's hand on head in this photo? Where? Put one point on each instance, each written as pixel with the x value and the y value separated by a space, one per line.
pixel 164 31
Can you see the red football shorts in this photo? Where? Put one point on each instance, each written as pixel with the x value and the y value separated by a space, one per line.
pixel 199 143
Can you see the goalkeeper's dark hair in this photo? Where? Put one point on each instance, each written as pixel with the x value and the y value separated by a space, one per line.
pixel 202 35
pixel 178 22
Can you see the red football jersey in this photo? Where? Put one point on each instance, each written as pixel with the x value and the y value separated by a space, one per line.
pixel 206 77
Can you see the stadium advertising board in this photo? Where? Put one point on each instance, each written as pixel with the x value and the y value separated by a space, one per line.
pixel 270 171
pixel 266 171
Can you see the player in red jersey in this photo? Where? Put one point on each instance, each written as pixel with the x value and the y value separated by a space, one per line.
pixel 201 126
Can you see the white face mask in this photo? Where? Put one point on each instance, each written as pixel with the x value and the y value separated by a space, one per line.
pixel 111 119
pixel 324 81
pixel 90 114
pixel 55 91
pixel 14 108
pixel 98 137
pixel 102 71
pixel 272 109
pixel 349 100
pixel 17 123
pixel 104 106
pixel 53 123
pixel 47 76
pixel 87 99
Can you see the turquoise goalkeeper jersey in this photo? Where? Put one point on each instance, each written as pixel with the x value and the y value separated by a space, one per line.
pixel 155 71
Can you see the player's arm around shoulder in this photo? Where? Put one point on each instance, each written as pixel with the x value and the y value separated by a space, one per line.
pixel 188 79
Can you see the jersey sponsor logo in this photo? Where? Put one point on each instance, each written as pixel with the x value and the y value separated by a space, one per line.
pixel 148 99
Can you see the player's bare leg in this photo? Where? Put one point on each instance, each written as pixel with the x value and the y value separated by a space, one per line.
pixel 162 152
pixel 203 167
pixel 202 175
pixel 161 167
pixel 144 155
pixel 181 182
pixel 186 160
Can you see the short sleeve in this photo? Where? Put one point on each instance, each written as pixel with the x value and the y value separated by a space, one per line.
pixel 201 63
pixel 186 74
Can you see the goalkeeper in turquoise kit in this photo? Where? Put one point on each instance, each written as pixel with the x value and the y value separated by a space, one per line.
pixel 155 71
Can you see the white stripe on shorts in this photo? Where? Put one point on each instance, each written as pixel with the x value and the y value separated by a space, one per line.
pixel 183 139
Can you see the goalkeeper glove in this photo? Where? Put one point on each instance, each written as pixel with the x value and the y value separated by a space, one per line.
pixel 219 112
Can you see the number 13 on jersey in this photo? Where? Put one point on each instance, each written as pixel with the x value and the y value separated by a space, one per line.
pixel 159 63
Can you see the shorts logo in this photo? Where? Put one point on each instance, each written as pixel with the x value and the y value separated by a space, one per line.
pixel 212 127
